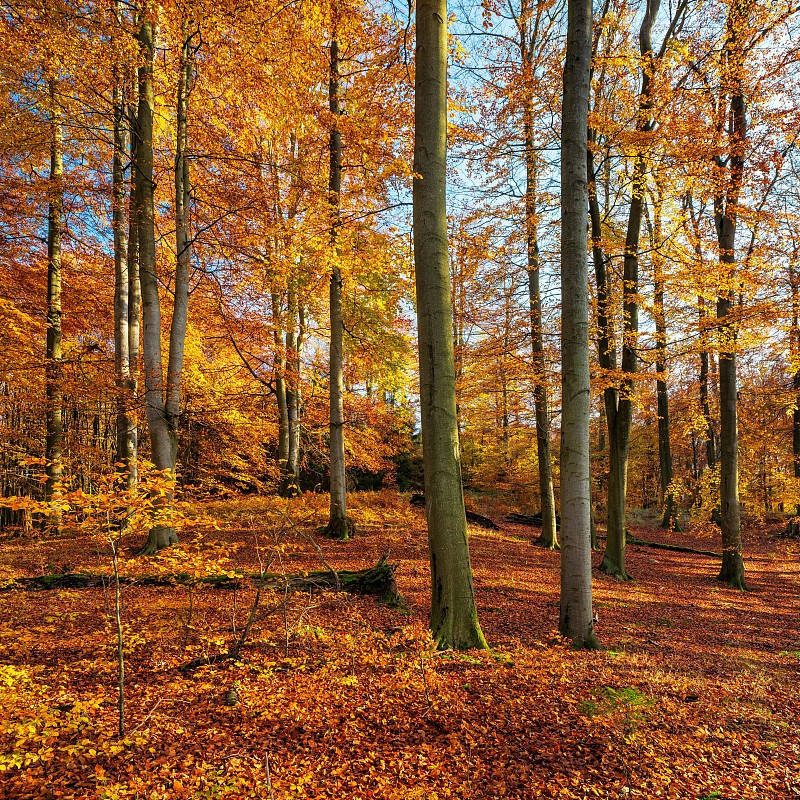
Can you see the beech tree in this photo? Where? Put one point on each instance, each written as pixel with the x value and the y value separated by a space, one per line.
pixel 162 398
pixel 53 367
pixel 575 619
pixel 339 525
pixel 454 617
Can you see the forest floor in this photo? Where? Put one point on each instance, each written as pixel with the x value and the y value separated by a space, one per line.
pixel 695 695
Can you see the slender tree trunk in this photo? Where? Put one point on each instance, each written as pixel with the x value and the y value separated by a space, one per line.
pixel 53 369
pixel 621 417
pixel 726 207
pixel 794 349
pixel 548 537
pixel 280 384
pixel 575 618
pixel 134 303
pixel 290 486
pixel 669 519
pixel 454 616
pixel 163 400
pixel 339 525
pixel 710 437
pixel 122 368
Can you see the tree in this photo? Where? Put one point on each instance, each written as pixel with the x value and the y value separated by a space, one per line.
pixel 53 366
pixel 454 617
pixel 575 619
pixel 162 398
pixel 731 118
pixel 339 525
pixel 529 26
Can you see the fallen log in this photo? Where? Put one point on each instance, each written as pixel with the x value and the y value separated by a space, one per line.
pixel 675 548
pixel 418 500
pixel 378 580
pixel 534 520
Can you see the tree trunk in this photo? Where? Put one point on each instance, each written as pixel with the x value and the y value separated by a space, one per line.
pixel 134 302
pixel 548 537
pixel 122 367
pixel 454 617
pixel 705 407
pixel 290 486
pixel 163 401
pixel 339 525
pixel 53 370
pixel 669 519
pixel 794 355
pixel 726 207
pixel 620 418
pixel 280 384
pixel 575 618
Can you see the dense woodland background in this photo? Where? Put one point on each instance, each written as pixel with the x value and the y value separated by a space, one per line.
pixel 211 290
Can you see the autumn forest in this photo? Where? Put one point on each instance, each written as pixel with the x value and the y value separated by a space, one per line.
pixel 399 401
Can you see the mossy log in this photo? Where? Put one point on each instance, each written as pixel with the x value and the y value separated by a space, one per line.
pixel 378 580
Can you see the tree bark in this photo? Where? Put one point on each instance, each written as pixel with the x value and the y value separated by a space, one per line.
pixel 620 414
pixel 134 300
pixel 454 617
pixel 339 525
pixel 122 361
pixel 575 617
pixel 726 207
pixel 669 519
pixel 794 350
pixel 53 367
pixel 163 400
pixel 548 537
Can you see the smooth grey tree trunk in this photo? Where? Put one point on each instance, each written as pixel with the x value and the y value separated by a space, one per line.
pixel 163 399
pixel 575 617
pixel 53 366
pixel 548 537
pixel 454 617
pixel 339 526
pixel 122 279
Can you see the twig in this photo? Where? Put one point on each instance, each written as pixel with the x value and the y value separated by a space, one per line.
pixel 146 719
pixel 269 776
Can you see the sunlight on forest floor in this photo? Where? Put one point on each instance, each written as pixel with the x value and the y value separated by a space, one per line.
pixel 695 695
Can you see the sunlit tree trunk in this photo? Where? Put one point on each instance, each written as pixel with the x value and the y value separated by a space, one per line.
pixel 794 350
pixel 280 384
pixel 726 206
pixel 134 298
pixel 53 368
pixel 454 617
pixel 122 365
pixel 548 537
pixel 575 618
pixel 339 525
pixel 163 400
